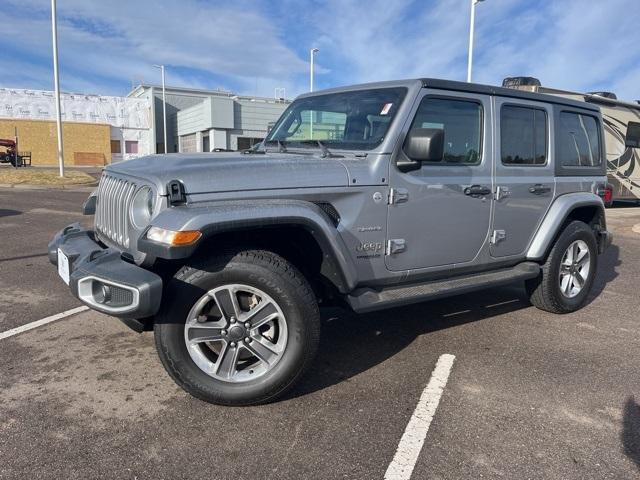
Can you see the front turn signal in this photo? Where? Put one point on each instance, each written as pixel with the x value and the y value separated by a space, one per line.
pixel 170 237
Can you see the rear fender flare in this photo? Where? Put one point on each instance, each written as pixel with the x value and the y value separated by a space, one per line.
pixel 555 218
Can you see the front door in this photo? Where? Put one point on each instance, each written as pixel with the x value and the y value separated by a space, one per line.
pixel 440 213
pixel 524 174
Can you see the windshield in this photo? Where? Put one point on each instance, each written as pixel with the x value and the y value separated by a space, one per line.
pixel 356 120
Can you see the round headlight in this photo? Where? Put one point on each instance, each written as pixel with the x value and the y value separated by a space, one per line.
pixel 142 208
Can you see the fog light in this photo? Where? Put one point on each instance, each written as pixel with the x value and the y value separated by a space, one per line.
pixel 101 292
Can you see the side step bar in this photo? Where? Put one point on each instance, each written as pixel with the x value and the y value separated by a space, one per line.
pixel 367 299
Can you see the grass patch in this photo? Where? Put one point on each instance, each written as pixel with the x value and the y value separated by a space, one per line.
pixel 31 176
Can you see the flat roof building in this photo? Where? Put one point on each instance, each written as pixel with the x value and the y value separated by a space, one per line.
pixel 97 129
pixel 209 120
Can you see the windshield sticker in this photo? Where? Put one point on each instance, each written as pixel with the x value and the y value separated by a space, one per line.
pixel 386 108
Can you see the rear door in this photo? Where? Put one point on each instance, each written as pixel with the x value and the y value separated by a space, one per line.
pixel 524 173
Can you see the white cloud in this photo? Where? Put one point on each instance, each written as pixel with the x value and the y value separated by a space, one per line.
pixel 253 47
pixel 119 40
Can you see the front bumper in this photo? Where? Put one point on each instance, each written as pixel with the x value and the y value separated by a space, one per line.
pixel 102 280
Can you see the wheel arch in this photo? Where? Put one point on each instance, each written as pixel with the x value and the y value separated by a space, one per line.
pixel 584 206
pixel 283 226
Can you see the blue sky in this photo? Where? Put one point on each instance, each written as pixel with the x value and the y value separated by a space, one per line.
pixel 252 47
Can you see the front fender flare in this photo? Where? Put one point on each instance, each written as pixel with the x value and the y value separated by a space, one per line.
pixel 555 218
pixel 226 216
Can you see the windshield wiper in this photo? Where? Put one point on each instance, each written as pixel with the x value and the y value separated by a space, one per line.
pixel 326 153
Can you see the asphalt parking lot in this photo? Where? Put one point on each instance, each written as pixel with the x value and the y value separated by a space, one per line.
pixel 530 395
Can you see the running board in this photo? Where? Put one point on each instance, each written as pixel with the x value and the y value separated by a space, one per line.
pixel 367 299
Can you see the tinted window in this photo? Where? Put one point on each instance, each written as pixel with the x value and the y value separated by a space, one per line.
pixel 579 140
pixel 523 136
pixel 461 121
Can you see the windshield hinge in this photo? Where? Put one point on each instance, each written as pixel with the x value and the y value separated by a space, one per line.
pixel 395 245
pixel 398 195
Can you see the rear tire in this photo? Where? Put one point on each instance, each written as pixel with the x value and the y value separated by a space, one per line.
pixel 217 349
pixel 568 273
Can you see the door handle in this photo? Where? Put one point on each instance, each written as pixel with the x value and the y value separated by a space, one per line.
pixel 539 189
pixel 477 190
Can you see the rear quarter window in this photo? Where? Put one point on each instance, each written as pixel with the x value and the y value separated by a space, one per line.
pixel 579 140
pixel 579 148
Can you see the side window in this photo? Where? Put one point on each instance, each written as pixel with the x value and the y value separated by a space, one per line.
pixel 523 133
pixel 579 140
pixel 461 121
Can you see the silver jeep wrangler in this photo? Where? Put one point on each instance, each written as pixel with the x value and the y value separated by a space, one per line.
pixel 371 196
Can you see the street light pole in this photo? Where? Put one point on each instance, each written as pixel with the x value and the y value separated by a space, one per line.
pixel 312 54
pixel 471 27
pixel 56 83
pixel 164 108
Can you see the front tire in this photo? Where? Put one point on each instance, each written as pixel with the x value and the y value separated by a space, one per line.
pixel 568 273
pixel 239 329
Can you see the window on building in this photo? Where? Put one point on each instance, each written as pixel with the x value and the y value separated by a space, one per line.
pixel 116 146
pixel 523 134
pixel 461 121
pixel 579 140
pixel 131 146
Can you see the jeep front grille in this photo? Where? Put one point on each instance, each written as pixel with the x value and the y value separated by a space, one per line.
pixel 114 198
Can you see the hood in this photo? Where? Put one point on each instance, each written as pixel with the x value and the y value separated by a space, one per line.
pixel 224 172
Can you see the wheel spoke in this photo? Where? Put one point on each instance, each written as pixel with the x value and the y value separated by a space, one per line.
pixel 204 333
pixel 565 285
pixel 262 314
pixel 262 348
pixel 584 260
pixel 579 279
pixel 574 252
pixel 582 253
pixel 228 303
pixel 227 360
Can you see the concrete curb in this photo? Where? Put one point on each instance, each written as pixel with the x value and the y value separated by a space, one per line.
pixel 80 187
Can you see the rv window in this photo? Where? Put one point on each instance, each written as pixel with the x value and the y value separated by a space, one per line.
pixel 579 140
pixel 524 136
pixel 633 135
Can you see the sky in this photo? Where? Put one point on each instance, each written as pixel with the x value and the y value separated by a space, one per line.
pixel 252 47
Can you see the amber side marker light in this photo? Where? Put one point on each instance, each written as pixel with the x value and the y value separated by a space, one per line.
pixel 169 237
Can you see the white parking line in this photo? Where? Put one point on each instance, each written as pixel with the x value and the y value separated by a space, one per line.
pixel 43 321
pixel 414 435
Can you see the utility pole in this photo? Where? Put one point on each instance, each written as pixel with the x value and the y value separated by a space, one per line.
pixel 56 83
pixel 312 54
pixel 471 28
pixel 164 107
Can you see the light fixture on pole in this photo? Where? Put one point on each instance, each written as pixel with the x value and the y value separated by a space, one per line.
pixel 164 108
pixel 56 83
pixel 312 54
pixel 471 26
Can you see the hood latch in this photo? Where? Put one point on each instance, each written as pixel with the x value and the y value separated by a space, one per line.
pixel 177 195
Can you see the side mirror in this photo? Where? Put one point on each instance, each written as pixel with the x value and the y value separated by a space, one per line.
pixel 425 144
pixel 633 135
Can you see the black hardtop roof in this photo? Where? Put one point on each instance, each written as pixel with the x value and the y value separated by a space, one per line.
pixel 504 92
pixel 452 85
